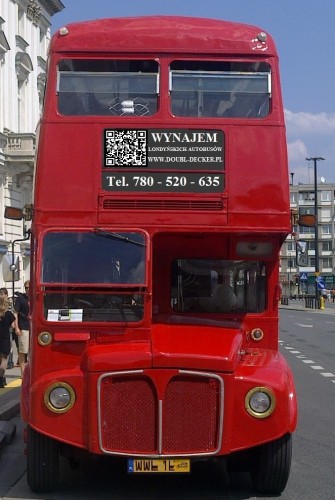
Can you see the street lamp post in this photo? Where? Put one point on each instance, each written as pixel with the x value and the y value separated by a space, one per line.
pixel 315 159
pixel 289 268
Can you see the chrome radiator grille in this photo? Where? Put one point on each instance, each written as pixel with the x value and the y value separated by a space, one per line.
pixel 187 419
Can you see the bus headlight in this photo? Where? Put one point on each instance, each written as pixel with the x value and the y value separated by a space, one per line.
pixel 59 397
pixel 260 402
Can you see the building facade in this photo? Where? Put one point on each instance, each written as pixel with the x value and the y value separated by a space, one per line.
pixel 298 271
pixel 24 39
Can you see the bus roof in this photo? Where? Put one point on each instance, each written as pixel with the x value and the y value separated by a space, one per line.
pixel 163 34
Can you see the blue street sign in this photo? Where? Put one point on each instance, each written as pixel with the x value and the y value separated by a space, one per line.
pixel 303 277
pixel 320 282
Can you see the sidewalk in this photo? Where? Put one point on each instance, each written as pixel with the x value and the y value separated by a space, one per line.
pixel 300 306
pixel 10 395
pixel 9 404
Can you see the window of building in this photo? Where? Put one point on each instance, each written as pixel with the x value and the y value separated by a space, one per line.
pixel 21 91
pixel 326 195
pixel 43 42
pixel 306 196
pixel 307 230
pixel 291 261
pixel 326 229
pixel 291 246
pixel 307 210
pixel 293 197
pixel 21 20
pixel 327 262
pixel 327 246
pixel 325 214
pixel 23 66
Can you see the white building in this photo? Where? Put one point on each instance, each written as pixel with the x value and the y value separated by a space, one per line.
pixel 299 277
pixel 24 39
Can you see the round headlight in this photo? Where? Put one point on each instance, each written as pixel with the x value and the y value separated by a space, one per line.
pixel 59 397
pixel 260 402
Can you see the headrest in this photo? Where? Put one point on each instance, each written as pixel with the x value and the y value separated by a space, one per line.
pixel 224 297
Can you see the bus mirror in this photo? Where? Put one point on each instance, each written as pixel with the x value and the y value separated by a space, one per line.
pixel 307 220
pixel 15 213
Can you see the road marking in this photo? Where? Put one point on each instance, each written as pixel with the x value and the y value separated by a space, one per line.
pixel 303 325
pixel 309 362
pixel 15 383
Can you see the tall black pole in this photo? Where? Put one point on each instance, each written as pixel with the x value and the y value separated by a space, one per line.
pixel 317 268
pixel 13 267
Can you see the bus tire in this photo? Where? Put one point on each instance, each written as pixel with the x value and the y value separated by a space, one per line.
pixel 42 462
pixel 271 466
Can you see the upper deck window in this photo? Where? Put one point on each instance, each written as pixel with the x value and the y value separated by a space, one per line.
pixel 220 89
pixel 107 87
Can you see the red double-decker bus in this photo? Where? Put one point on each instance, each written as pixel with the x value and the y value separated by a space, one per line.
pixel 161 203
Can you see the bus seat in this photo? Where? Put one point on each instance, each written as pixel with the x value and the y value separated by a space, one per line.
pixel 224 298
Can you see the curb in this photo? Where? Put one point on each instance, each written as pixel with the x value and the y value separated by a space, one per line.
pixel 7 433
pixel 10 404
pixel 10 408
pixel 307 309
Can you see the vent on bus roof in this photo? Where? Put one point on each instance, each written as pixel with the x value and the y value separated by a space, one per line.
pixel 207 205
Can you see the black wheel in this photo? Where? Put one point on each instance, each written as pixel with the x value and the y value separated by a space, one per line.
pixel 42 462
pixel 271 465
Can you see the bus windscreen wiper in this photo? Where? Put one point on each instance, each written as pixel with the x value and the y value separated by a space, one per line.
pixel 117 236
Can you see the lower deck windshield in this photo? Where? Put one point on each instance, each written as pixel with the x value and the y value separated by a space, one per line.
pixel 103 276
pixel 99 276
pixel 218 286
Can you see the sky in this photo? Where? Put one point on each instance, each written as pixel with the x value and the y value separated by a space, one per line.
pixel 305 38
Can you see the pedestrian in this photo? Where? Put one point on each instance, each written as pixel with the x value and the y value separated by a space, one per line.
pixel 22 324
pixel 7 321
pixel 14 337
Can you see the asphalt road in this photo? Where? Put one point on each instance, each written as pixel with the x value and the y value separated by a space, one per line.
pixel 307 339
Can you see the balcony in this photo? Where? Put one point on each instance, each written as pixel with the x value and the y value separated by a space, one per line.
pixel 20 153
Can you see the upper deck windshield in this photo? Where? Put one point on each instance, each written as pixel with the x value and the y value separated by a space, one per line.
pixel 128 88
pixel 220 89
pixel 97 276
pixel 107 87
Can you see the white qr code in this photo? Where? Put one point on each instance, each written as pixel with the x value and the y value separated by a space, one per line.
pixel 125 148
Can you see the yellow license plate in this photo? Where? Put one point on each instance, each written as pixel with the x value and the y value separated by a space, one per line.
pixel 152 466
